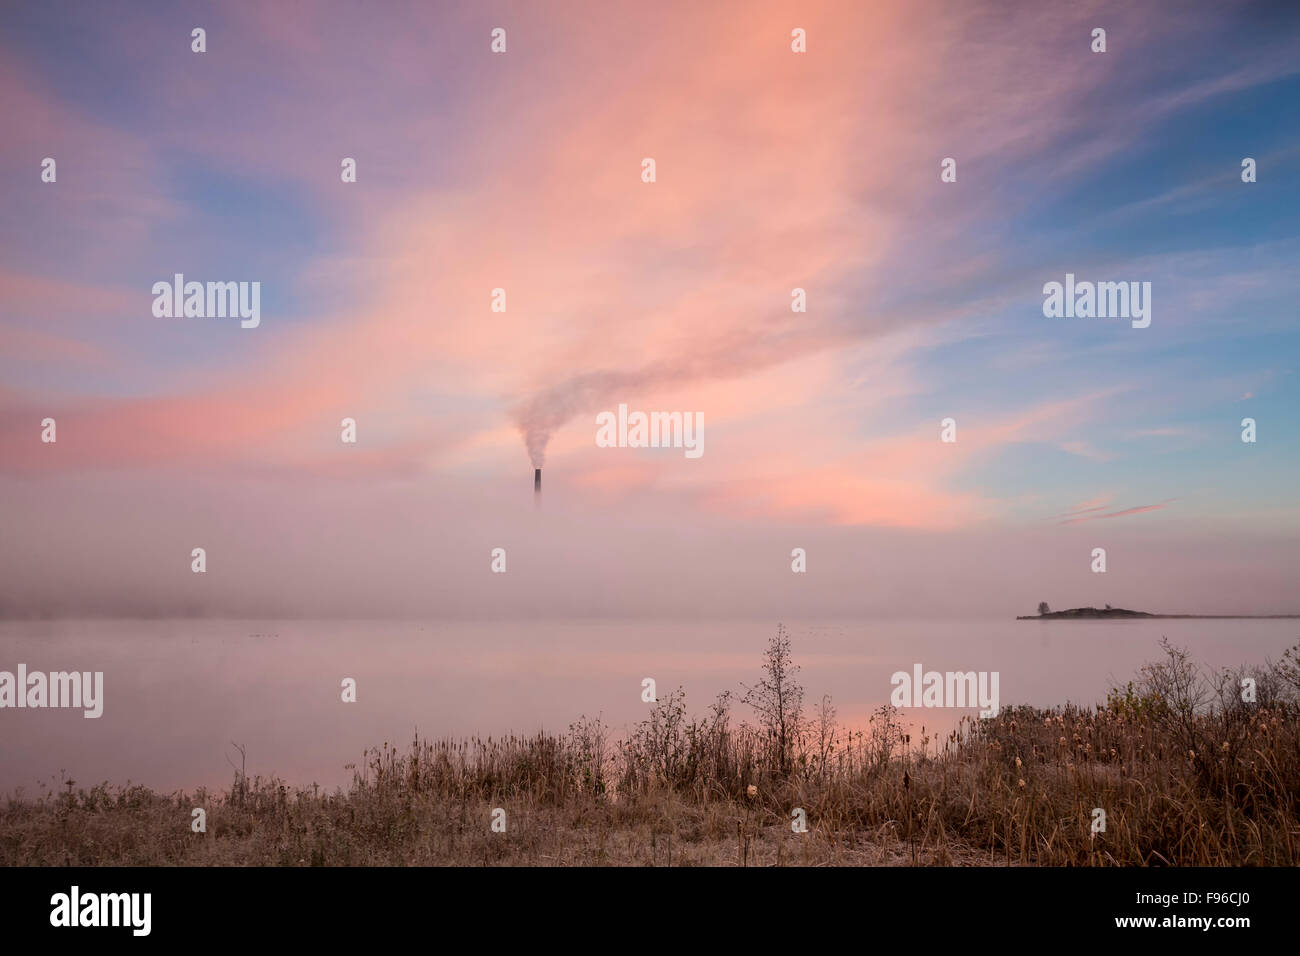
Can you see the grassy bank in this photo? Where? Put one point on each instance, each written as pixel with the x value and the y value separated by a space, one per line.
pixel 1186 772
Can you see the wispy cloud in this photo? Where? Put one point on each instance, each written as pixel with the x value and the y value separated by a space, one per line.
pixel 1115 514
pixel 1083 507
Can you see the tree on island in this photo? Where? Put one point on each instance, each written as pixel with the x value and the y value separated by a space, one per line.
pixel 1043 608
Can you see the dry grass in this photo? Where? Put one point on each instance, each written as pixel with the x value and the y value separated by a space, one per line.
pixel 1186 774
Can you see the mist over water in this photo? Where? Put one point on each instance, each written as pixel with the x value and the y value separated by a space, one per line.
pixel 179 692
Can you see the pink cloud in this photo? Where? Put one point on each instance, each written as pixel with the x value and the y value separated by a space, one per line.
pixel 673 292
pixel 1114 514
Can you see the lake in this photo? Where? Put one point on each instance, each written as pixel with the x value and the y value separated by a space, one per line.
pixel 177 693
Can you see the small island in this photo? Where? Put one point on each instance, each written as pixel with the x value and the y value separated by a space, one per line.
pixel 1045 613
pixel 1089 613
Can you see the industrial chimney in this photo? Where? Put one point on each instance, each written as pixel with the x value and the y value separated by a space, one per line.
pixel 537 481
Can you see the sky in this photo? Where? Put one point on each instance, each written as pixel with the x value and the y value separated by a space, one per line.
pixel 774 170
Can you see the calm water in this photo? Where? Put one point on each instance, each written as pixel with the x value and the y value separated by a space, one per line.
pixel 177 693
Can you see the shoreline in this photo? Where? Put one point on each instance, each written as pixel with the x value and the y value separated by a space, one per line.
pixel 1148 778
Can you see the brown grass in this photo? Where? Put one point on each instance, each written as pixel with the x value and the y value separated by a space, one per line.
pixel 1187 774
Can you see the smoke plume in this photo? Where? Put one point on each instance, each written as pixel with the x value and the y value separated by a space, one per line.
pixel 735 353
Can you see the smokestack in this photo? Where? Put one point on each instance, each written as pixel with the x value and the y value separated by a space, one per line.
pixel 537 481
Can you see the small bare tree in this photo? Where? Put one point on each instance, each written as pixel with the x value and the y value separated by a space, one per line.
pixel 1043 608
pixel 1288 670
pixel 825 733
pixel 778 700
pixel 240 789
pixel 1180 691
pixel 886 737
